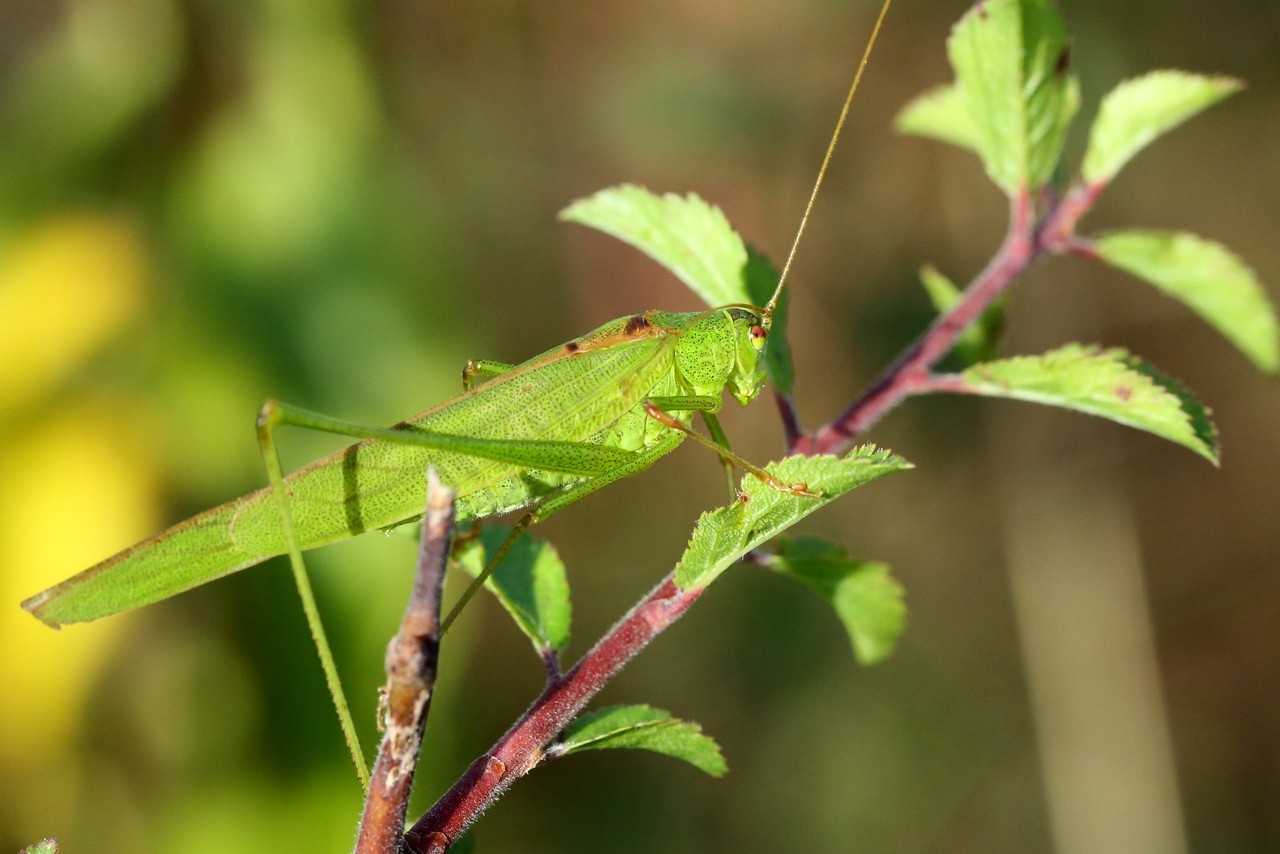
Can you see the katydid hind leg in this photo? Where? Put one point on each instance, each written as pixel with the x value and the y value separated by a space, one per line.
pixel 594 461
pixel 268 420
pixel 565 457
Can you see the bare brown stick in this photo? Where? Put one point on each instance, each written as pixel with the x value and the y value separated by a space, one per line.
pixel 412 657
pixel 523 746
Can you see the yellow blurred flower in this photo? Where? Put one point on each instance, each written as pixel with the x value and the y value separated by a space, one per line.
pixel 66 287
pixel 73 490
pixel 77 483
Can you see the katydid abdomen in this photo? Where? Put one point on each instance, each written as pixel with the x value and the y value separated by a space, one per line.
pixel 586 396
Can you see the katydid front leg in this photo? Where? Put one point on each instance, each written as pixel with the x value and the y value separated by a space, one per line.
pixel 722 439
pixel 660 408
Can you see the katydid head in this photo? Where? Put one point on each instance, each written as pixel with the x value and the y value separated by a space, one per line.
pixel 719 349
pixel 746 378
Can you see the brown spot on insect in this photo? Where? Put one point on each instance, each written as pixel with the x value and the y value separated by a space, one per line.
pixel 636 324
pixel 572 347
pixel 1124 392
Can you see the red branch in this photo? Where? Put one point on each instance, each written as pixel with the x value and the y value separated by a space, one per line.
pixel 523 746
pixel 911 373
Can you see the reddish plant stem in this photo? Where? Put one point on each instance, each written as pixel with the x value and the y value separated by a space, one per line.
pixel 910 374
pixel 792 430
pixel 523 746
pixel 951 383
pixel 412 658
pixel 1057 232
pixel 1026 241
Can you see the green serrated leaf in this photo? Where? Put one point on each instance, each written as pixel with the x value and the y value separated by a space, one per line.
pixel 1010 61
pixel 762 279
pixel 1111 384
pixel 643 728
pixel 1208 278
pixel 530 583
pixel 865 597
pixel 940 113
pixel 1142 109
pixel 688 236
pixel 724 535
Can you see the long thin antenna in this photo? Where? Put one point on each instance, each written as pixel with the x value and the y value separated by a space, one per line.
pixel 822 171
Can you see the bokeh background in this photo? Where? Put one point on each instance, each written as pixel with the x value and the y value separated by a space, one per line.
pixel 203 204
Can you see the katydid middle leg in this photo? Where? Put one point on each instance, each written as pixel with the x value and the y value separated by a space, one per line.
pixel 482 369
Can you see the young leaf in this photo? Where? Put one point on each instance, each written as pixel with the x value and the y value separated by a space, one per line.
pixel 686 235
pixel 940 113
pixel 1010 61
pixel 1206 277
pixel 978 341
pixel 44 846
pixel 1109 383
pixel 866 598
pixel 530 583
pixel 761 512
pixel 942 292
pixel 642 728
pixel 1139 110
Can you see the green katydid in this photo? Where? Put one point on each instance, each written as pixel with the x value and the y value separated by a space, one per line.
pixel 579 409
pixel 533 437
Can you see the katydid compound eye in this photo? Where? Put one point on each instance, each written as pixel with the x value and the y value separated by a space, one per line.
pixel 758 336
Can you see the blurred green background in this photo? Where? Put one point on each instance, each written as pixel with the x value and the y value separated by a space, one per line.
pixel 203 204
